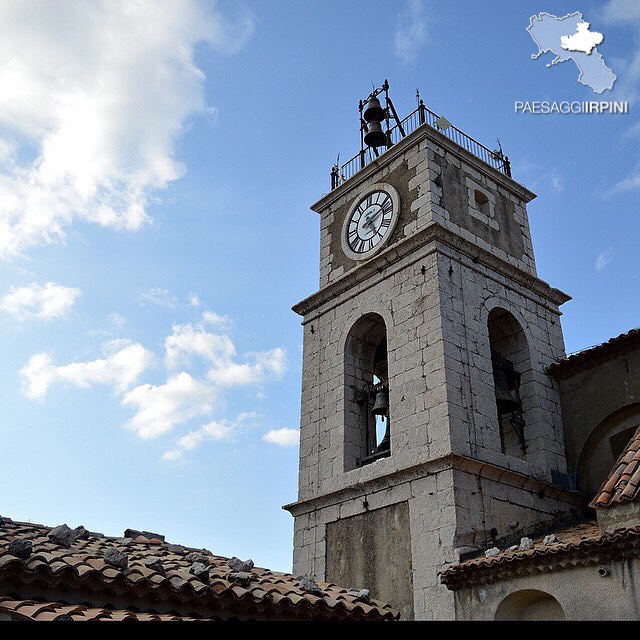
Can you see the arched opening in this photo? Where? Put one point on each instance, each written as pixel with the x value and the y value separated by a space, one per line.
pixel 481 201
pixel 603 447
pixel 366 417
pixel 529 605
pixel 512 377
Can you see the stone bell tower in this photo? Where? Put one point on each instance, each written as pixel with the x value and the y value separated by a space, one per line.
pixel 430 429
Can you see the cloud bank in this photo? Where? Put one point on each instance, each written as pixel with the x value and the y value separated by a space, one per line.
pixel 200 367
pixel 94 96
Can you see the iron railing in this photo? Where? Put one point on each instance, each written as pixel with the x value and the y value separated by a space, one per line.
pixel 422 115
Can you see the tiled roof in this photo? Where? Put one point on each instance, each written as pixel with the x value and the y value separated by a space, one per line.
pixel 141 567
pixel 623 483
pixel 41 611
pixel 587 358
pixel 579 545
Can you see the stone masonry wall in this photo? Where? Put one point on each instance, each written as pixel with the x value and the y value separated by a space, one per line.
pixel 582 592
pixel 432 527
pixel 468 292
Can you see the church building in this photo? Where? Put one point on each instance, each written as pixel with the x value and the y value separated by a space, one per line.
pixel 452 458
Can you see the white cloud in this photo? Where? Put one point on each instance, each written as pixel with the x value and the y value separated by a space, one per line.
pixel 628 184
pixel 193 300
pixel 94 96
pixel 603 259
pixel 187 339
pixel 219 352
pixel 117 320
pixel 44 302
pixel 266 366
pixel 556 181
pixel 124 364
pixel 411 31
pixel 216 430
pixel 159 297
pixel 159 408
pixel 283 437
pixel 541 178
pixel 215 319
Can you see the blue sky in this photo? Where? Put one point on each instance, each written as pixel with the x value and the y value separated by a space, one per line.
pixel 157 163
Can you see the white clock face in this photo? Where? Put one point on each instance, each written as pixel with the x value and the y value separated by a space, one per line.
pixel 370 222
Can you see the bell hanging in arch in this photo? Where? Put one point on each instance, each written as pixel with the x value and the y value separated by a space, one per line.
pixel 375 136
pixel 506 381
pixel 373 110
pixel 381 403
pixel 506 398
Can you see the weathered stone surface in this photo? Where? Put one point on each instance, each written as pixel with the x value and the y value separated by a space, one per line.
pixel 116 558
pixel 360 594
pixel 156 565
pixel 513 547
pixel 358 552
pixel 123 542
pixel 21 548
pixel 550 539
pixel 195 556
pixel 80 533
pixel 134 533
pixel 308 584
pixel 494 551
pixel 525 543
pixel 241 578
pixel 62 535
pixel 200 571
pixel 176 548
pixel 240 565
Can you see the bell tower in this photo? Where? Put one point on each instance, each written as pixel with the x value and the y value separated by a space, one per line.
pixel 430 429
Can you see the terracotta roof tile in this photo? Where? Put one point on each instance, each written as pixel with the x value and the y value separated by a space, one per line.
pixel 278 593
pixel 580 544
pixel 48 611
pixel 585 359
pixel 623 483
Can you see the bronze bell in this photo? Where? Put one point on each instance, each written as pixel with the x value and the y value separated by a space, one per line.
pixel 375 136
pixel 373 110
pixel 506 397
pixel 381 403
pixel 385 443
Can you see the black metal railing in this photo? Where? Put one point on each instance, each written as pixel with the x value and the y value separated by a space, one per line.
pixel 415 119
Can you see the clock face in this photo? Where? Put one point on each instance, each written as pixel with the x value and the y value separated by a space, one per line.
pixel 370 222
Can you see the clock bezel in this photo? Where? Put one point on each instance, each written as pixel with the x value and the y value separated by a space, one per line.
pixel 395 211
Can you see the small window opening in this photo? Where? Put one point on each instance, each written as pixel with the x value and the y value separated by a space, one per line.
pixel 482 202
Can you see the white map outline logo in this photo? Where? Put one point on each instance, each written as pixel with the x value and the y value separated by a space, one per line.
pixel 570 38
